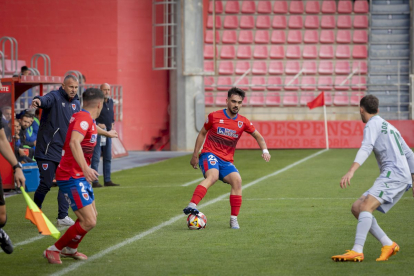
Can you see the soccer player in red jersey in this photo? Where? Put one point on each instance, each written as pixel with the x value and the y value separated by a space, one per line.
pixel 221 131
pixel 74 177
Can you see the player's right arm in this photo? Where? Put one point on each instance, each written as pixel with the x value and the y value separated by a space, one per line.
pixel 8 153
pixel 76 148
pixel 199 143
pixel 410 159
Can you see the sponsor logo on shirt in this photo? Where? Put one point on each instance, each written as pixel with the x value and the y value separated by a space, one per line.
pixel 63 104
pixel 93 138
pixel 221 121
pixel 227 132
pixel 240 124
pixel 63 153
pixel 74 106
pixel 84 125
pixel 45 166
pixel 207 120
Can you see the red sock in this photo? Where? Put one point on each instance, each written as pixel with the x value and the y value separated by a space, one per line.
pixel 72 237
pixel 235 203
pixel 198 195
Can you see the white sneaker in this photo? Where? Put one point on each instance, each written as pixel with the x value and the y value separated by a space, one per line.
pixel 67 221
pixel 234 223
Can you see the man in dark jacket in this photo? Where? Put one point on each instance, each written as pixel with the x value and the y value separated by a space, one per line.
pixel 58 107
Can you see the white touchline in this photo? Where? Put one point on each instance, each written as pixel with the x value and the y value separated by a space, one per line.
pixel 192 182
pixel 174 219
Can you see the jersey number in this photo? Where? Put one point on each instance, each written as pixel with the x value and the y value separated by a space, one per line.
pixel 82 187
pixel 397 136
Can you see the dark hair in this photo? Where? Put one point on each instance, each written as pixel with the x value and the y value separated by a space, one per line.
pixel 24 69
pixel 236 91
pixel 27 115
pixel 370 103
pixel 92 94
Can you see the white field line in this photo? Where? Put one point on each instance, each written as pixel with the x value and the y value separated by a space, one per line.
pixel 174 219
pixel 310 198
pixel 192 182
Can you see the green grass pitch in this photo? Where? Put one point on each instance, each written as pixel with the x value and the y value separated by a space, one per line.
pixel 291 223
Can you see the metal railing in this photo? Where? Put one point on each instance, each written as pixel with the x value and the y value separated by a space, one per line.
pixel 14 52
pixel 46 61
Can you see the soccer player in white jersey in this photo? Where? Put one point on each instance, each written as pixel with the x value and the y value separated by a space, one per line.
pixel 396 162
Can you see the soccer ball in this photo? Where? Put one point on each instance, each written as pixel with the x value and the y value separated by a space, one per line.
pixel 196 222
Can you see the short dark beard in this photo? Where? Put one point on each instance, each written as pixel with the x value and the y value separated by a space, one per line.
pixel 231 111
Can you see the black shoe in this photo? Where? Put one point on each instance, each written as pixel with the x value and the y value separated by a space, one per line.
pixel 96 185
pixel 5 242
pixel 110 183
pixel 189 210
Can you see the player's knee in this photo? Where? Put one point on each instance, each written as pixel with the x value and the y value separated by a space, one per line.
pixel 89 224
pixel 355 210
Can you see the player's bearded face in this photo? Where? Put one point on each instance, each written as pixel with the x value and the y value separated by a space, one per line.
pixel 234 103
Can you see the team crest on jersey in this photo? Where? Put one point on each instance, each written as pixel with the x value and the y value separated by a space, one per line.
pixel 74 106
pixel 85 196
pixel 240 124
pixel 93 138
pixel 45 166
pixel 227 132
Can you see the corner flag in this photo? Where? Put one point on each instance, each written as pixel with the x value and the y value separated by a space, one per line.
pixel 318 101
pixel 36 216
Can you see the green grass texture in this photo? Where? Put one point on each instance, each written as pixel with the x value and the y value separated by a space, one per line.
pixel 291 223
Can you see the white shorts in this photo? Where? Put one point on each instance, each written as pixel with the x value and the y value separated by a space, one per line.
pixel 387 191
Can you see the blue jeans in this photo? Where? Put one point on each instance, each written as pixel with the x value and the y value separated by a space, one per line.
pixel 107 157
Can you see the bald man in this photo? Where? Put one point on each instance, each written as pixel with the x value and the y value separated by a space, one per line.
pixel 104 121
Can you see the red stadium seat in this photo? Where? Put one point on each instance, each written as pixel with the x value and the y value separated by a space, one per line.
pixel 259 68
pixel 279 22
pixel 356 97
pixel 310 52
pixel 344 22
pixel 342 67
pixel 247 22
pixel 360 36
pixel 291 83
pixel 343 36
pixel 328 98
pixel 227 52
pixel 327 37
pixel 280 7
pixel 209 37
pixel 276 68
pixel 278 37
pixel 208 51
pixel 329 7
pixel 221 98
pixel 360 67
pixel 264 7
pixel 294 37
pixel 273 99
pixel 312 7
pixel 290 99
pixel 231 21
pixel 308 83
pixel 257 99
pixel 325 67
pixel 309 67
pixel 325 83
pixel 219 7
pixel 312 22
pixel 242 67
pixel 258 84
pixel 328 22
pixel 260 52
pixel 208 82
pixel 226 68
pixel 229 37
pixel 208 66
pixel 361 22
pixel 261 37
pixel 208 99
pixel 361 7
pixel 277 52
pixel 242 83
pixel 311 37
pixel 326 51
pixel 224 83
pixel 274 83
pixel 296 7
pixel 341 98
pixel 246 37
pixel 210 22
pixel 345 7
pixel 293 51
pixel 295 22
pixel 341 83
pixel 248 7
pixel 306 97
pixel 360 51
pixel 292 67
pixel 343 52
pixel 263 22
pixel 359 83
pixel 232 7
pixel 244 52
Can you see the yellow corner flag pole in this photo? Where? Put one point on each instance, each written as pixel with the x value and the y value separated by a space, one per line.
pixel 36 216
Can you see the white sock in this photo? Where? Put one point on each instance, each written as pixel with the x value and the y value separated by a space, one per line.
pixel 364 225
pixel 379 234
pixel 192 205
pixel 385 241
pixel 233 217
pixel 71 250
pixel 53 248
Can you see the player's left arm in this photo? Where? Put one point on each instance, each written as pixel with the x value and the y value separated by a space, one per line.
pixel 410 158
pixel 110 134
pixel 76 148
pixel 262 144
